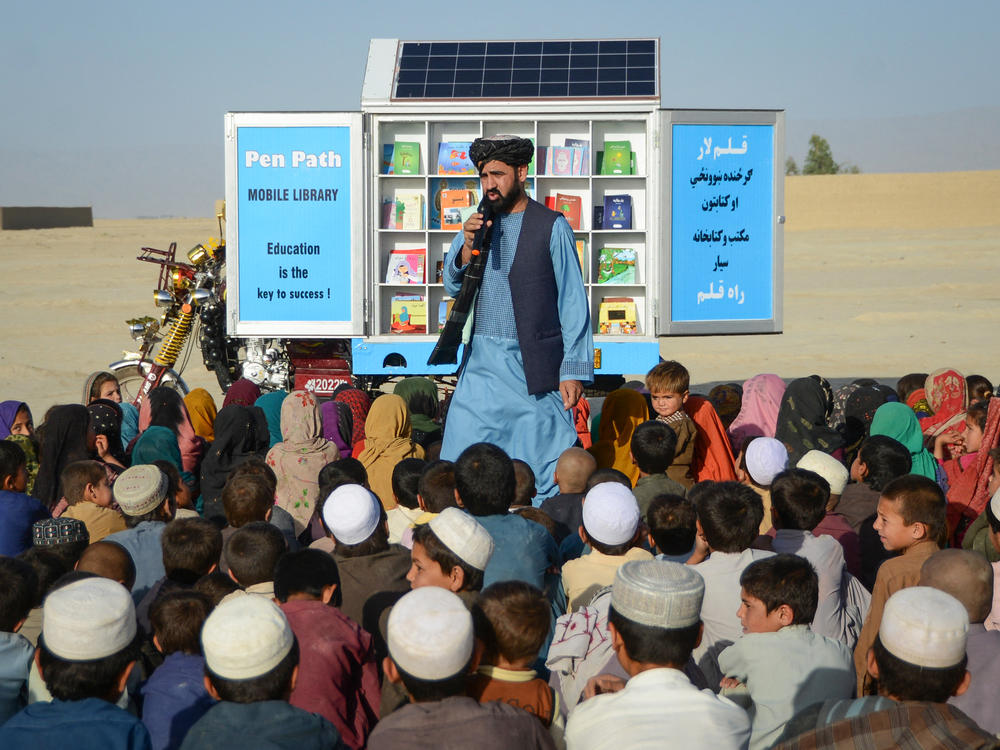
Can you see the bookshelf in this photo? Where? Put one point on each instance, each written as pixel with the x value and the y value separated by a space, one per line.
pixel 546 130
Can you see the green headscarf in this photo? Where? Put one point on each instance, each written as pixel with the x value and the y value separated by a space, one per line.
pixel 270 404
pixel 898 421
pixel 407 389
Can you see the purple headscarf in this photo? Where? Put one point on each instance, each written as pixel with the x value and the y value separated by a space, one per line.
pixel 8 411
pixel 338 424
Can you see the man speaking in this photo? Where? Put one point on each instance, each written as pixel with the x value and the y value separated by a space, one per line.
pixel 532 347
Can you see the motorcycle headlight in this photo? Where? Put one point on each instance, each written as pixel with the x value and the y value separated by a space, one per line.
pixel 198 255
pixel 201 297
pixel 137 330
pixel 162 298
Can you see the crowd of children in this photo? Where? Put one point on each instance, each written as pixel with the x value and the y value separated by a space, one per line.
pixel 765 565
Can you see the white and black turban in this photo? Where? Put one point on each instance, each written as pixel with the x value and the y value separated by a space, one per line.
pixel 510 149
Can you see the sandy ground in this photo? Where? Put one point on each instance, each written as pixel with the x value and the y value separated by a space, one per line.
pixel 884 275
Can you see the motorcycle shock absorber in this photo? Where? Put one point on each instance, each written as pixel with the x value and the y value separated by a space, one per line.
pixel 174 342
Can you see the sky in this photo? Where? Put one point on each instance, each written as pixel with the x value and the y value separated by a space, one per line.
pixel 121 105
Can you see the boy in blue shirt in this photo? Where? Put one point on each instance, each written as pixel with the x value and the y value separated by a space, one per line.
pixel 18 511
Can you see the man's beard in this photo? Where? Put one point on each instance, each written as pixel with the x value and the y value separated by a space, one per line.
pixel 504 203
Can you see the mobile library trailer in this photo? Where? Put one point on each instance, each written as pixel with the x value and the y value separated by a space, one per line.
pixel 339 222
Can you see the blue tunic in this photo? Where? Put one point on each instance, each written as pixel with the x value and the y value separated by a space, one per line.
pixel 491 403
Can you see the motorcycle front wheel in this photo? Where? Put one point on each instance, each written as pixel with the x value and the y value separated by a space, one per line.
pixel 131 376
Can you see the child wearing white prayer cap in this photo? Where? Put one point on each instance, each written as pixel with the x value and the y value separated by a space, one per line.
pixel 431 653
pixel 760 461
pixel 251 665
pixel 88 647
pixel 655 622
pixel 918 661
pixel 611 526
pixel 451 551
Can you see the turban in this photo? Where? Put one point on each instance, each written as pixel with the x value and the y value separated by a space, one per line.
pixel 510 149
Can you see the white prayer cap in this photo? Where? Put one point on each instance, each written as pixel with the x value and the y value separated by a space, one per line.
pixel 245 637
pixel 766 458
pixel 352 513
pixel 610 513
pixel 140 489
pixel 463 535
pixel 430 634
pixel 658 593
pixel 834 472
pixel 88 620
pixel 925 626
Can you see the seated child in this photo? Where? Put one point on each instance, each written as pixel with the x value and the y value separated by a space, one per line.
pixel 435 492
pixel 798 502
pixel 673 525
pixel 524 485
pixel 108 560
pixel 48 567
pixel 611 527
pixel 431 653
pixel 784 665
pixel 86 653
pixel 451 551
pixel 216 586
pixel 18 588
pixel 911 519
pixel 573 469
pixel 251 660
pixel 174 696
pixel 654 625
pixel 918 661
pixel 86 489
pixel 253 551
pixel 245 499
pixel 511 620
pixel 338 676
pixel 880 460
pixel 761 460
pixel 65 537
pixel 979 388
pixel 18 511
pixel 834 524
pixel 333 475
pixel 668 385
pixel 729 517
pixel 281 518
pixel 653 444
pixel 405 479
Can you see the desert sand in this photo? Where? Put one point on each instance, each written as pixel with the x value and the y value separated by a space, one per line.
pixel 884 274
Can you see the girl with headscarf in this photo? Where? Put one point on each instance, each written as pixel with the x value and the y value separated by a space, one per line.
pixel 243 392
pixel 624 409
pixel 801 425
pixel 101 384
pixel 947 397
pixel 713 456
pixel 421 397
pixel 338 425
pixel 130 424
pixel 359 403
pixel 15 419
pixel 727 399
pixel 758 415
pixel 66 438
pixel 387 442
pixel 859 411
pixel 106 423
pixel 164 407
pixel 270 403
pixel 201 409
pixel 298 458
pixel 240 434
pixel 898 421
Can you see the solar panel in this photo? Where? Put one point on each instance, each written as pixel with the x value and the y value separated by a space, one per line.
pixel 562 69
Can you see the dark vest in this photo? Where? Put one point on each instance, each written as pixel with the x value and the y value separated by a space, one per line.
pixel 535 299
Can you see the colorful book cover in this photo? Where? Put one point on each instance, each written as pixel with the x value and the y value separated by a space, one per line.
pixel 388 214
pixel 406 158
pixel 617 212
pixel 438 185
pixel 581 155
pixel 581 252
pixel 409 210
pixel 570 206
pixel 452 203
pixel 406 266
pixel 444 310
pixel 387 149
pixel 453 158
pixel 531 164
pixel 616 265
pixel 560 161
pixel 617 316
pixel 617 158
pixel 409 314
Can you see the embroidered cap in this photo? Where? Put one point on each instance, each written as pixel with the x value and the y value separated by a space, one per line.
pixel 352 513
pixel 430 634
pixel 88 620
pixel 925 626
pixel 245 637
pixel 834 472
pixel 52 531
pixel 610 513
pixel 463 535
pixel 140 489
pixel 766 458
pixel 658 593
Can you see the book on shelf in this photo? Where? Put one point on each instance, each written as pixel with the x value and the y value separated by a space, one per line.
pixel 617 158
pixel 388 213
pixel 406 266
pixel 452 203
pixel 560 161
pixel 598 217
pixel 387 149
pixel 409 314
pixel 581 252
pixel 409 210
pixel 616 265
pixel 406 157
pixel 550 202
pixel 617 212
pixel 444 310
pixel 581 155
pixel 437 187
pixel 453 158
pixel 616 316
pixel 570 206
pixel 531 164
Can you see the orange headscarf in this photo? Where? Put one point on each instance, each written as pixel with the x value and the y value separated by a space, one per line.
pixel 713 456
pixel 202 411
pixel 387 442
pixel 623 411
